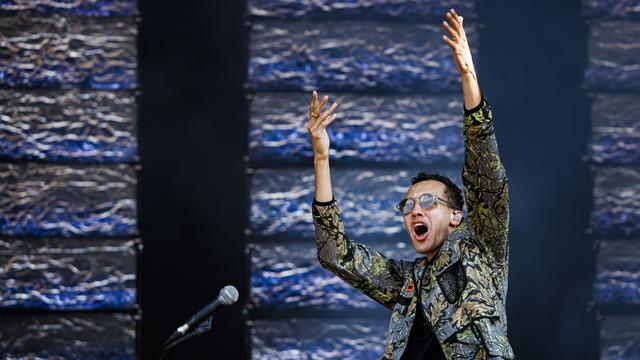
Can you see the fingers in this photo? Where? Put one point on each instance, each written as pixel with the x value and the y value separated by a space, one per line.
pixel 314 100
pixel 324 101
pixel 449 42
pixel 321 125
pixel 453 26
pixel 454 35
pixel 455 22
pixel 317 122
pixel 316 130
pixel 326 118
pixel 314 107
pixel 328 112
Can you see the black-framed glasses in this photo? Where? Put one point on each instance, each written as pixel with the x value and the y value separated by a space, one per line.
pixel 425 200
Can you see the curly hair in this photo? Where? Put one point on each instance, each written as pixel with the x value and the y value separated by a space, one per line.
pixel 451 191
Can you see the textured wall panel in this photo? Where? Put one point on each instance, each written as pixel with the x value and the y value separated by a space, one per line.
pixel 67 274
pixel 620 338
pixel 56 200
pixel 616 202
pixel 289 276
pixel 616 129
pixel 68 125
pixel 391 58
pixel 614 56
pixel 623 9
pixel 618 273
pixel 349 339
pixel 89 336
pixel 78 7
pixel 360 9
pixel 281 201
pixel 67 52
pixel 415 129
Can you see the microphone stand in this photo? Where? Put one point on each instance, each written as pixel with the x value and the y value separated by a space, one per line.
pixel 174 340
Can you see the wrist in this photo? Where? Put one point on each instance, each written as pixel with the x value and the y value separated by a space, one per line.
pixel 468 76
pixel 320 156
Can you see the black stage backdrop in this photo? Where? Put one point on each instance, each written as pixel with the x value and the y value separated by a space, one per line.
pixel 193 136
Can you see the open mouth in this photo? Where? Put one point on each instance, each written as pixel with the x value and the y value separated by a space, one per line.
pixel 420 230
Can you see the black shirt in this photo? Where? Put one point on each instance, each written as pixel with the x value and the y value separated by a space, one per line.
pixel 422 343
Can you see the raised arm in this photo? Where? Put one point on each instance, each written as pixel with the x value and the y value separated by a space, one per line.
pixel 484 176
pixel 361 267
pixel 317 128
pixel 462 58
pixel 485 182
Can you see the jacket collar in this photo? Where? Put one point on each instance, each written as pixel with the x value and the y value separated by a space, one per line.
pixel 449 252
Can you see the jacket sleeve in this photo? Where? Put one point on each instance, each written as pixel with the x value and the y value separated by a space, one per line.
pixel 365 269
pixel 485 183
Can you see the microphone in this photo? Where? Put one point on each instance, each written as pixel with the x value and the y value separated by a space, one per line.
pixel 227 296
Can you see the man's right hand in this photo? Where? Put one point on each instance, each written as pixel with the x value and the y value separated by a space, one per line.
pixel 318 121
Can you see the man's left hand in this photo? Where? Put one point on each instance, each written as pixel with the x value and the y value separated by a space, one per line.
pixel 458 43
pixel 462 58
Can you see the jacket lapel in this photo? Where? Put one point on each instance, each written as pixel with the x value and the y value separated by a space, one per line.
pixel 449 253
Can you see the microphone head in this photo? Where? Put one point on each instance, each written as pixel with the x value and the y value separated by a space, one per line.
pixel 228 295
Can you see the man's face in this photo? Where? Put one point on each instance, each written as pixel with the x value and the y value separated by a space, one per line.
pixel 438 219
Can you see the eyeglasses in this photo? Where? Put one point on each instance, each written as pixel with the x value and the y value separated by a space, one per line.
pixel 426 200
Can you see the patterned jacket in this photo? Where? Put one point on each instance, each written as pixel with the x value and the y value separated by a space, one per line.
pixel 464 287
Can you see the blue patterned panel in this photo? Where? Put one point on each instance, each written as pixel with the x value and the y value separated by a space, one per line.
pixel 608 9
pixel 281 201
pixel 616 129
pixel 360 9
pixel 352 56
pixel 67 274
pixel 620 338
pixel 614 56
pixel 78 7
pixel 68 52
pixel 348 339
pixel 68 126
pixel 89 336
pixel 618 273
pixel 415 129
pixel 56 200
pixel 288 276
pixel 616 202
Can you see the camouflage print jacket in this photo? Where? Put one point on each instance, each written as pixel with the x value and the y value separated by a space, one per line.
pixel 463 289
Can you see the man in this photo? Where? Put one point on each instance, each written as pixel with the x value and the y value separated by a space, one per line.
pixel 451 302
